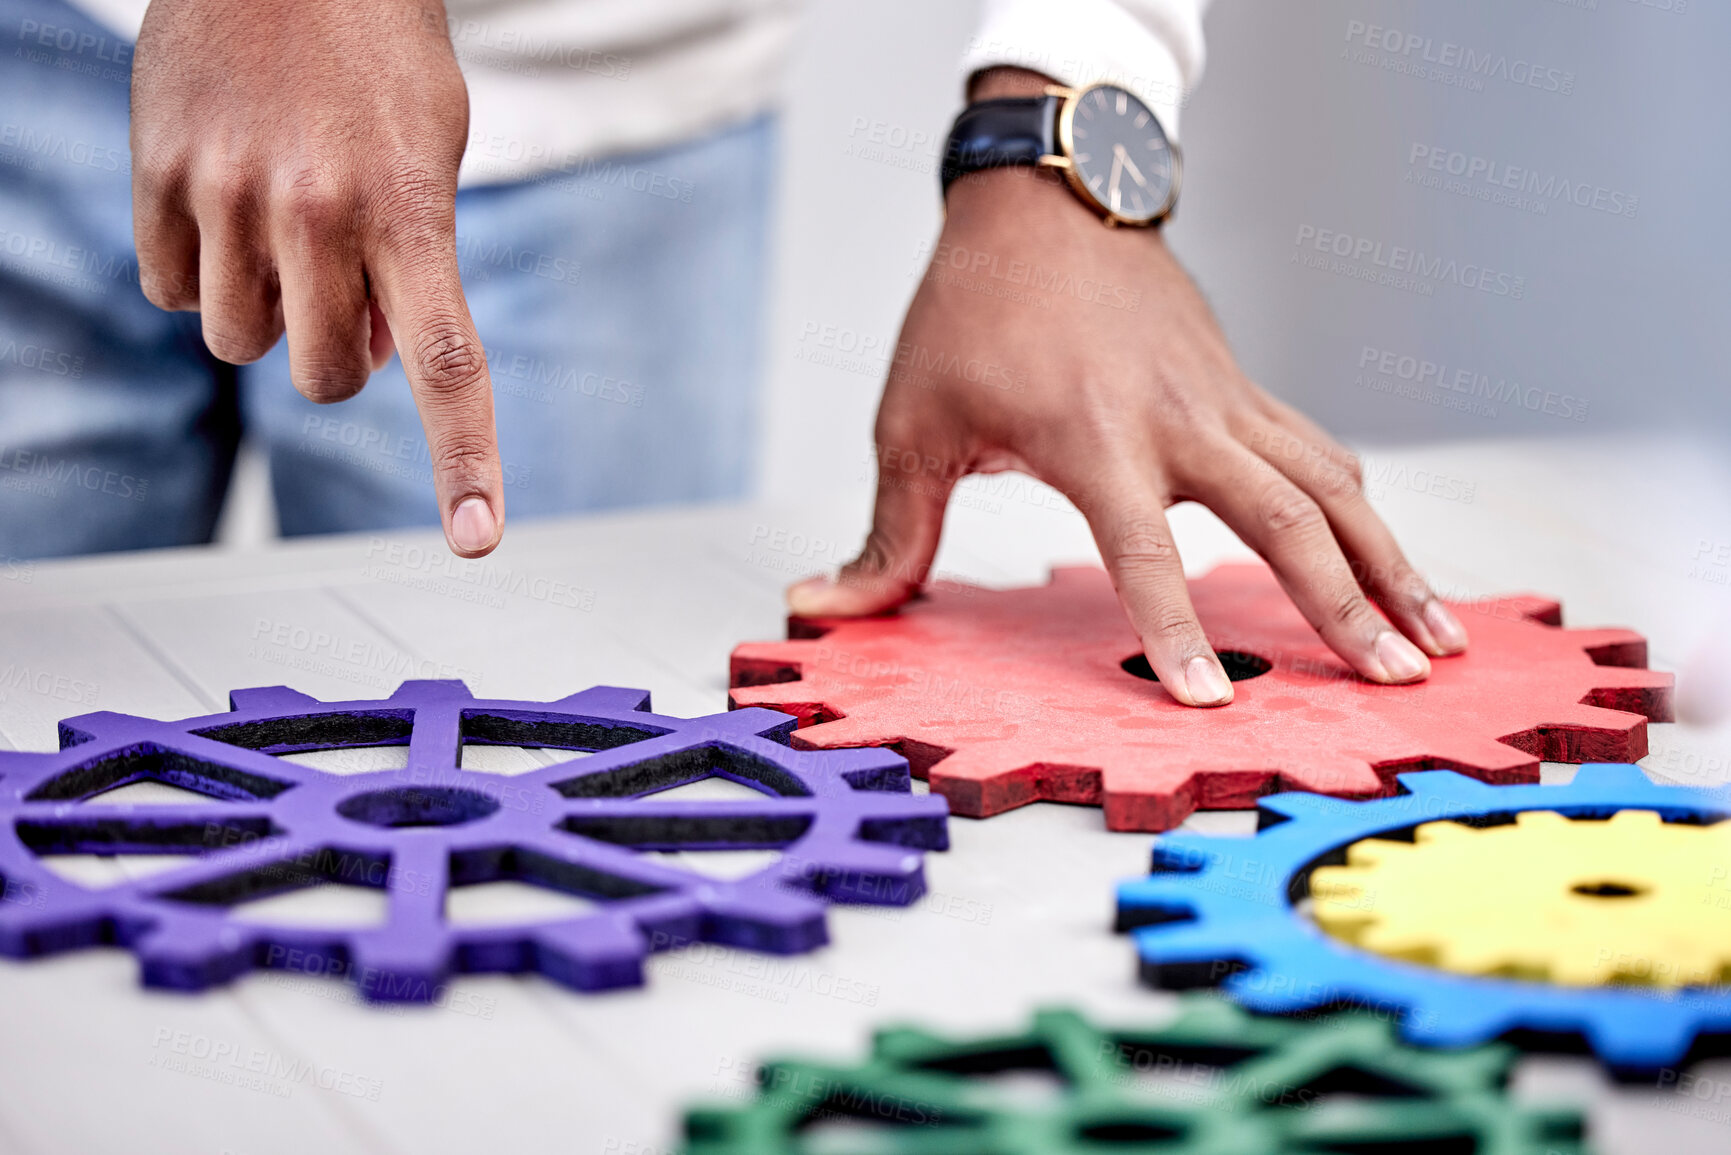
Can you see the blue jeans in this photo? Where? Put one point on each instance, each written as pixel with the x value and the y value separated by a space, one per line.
pixel 619 303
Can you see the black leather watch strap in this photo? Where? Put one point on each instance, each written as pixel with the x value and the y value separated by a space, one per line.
pixel 1016 130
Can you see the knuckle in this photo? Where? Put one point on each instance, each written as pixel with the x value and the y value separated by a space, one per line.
pixel 466 456
pixel 409 202
pixel 1284 509
pixel 1347 605
pixel 448 361
pixel 312 203
pixel 157 172
pixel 1337 478
pixel 1398 584
pixel 1172 625
pixel 1144 542
pixel 223 188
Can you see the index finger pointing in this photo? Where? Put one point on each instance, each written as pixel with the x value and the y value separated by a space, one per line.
pixel 421 296
pixel 1136 544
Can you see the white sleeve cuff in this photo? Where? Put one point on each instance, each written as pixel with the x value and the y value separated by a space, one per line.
pixel 1153 48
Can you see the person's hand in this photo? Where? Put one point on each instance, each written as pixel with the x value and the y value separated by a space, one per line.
pixel 295 166
pixel 1117 388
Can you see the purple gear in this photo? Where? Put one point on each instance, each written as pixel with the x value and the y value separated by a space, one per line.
pixel 844 820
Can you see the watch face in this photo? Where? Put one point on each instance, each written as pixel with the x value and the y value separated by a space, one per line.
pixel 1119 155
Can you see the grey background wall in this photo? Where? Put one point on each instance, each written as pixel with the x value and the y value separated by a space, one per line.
pixel 1591 297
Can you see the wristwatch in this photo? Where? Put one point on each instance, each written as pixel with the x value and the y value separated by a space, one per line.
pixel 1108 144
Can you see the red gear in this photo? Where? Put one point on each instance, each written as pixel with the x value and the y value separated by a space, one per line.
pixel 1008 697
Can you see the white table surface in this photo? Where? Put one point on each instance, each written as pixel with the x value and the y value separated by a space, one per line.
pixel 1022 904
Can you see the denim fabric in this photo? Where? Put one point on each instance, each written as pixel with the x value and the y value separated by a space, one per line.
pixel 619 303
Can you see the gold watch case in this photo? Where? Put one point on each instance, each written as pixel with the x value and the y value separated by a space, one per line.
pixel 1063 162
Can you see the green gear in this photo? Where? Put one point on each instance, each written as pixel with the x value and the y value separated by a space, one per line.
pixel 1215 1080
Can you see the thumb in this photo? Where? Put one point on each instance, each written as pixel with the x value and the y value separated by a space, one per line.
pixel 897 558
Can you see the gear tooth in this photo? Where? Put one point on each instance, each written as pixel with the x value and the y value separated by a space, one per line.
pixel 1639 1042
pixel 191 953
pixel 608 700
pixel 862 873
pixel 1539 820
pixel 1412 945
pixel 82 728
pixel 763 664
pixel 1301 805
pixel 596 953
pixel 1172 943
pixel 1460 1014
pixel 808 711
pixel 1644 820
pixel 1648 693
pixel 1610 777
pixel 990 778
pixel 758 721
pixel 1485 759
pixel 1611 647
pixel 761 919
pixel 1182 853
pixel 1335 774
pixel 1528 607
pixel 1445 785
pixel 1337 883
pixel 1574 970
pixel 907 1044
pixel 263 699
pixel 1367 853
pixel 1154 892
pixel 836 732
pixel 430 689
pixel 1585 733
pixel 1448 830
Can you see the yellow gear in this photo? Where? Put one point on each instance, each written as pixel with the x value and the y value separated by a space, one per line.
pixel 1631 900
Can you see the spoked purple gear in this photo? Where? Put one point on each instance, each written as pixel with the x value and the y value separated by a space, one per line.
pixel 845 822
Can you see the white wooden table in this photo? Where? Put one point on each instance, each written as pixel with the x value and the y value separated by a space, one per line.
pixel 90 1062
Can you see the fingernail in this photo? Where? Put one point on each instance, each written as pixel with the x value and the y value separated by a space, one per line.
pixel 809 596
pixel 1445 627
pixel 1400 658
pixel 472 525
pixel 1207 683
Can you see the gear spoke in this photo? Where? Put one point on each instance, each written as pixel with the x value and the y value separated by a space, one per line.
pixel 93 828
pixel 272 827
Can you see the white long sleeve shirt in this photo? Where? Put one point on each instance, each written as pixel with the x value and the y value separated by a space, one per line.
pixel 554 81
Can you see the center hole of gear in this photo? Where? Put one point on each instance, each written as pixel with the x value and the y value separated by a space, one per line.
pixel 1239 666
pixel 1608 890
pixel 411 806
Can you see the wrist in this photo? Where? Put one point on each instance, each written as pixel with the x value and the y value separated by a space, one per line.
pixel 1007 81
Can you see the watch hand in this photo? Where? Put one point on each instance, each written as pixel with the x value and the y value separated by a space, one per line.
pixel 1117 166
pixel 1130 166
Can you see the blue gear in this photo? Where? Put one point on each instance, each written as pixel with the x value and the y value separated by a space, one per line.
pixel 1224 909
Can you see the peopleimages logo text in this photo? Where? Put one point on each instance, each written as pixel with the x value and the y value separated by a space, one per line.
pixel 1446 54
pixel 1467 383
pixel 1495 175
pixel 1364 251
